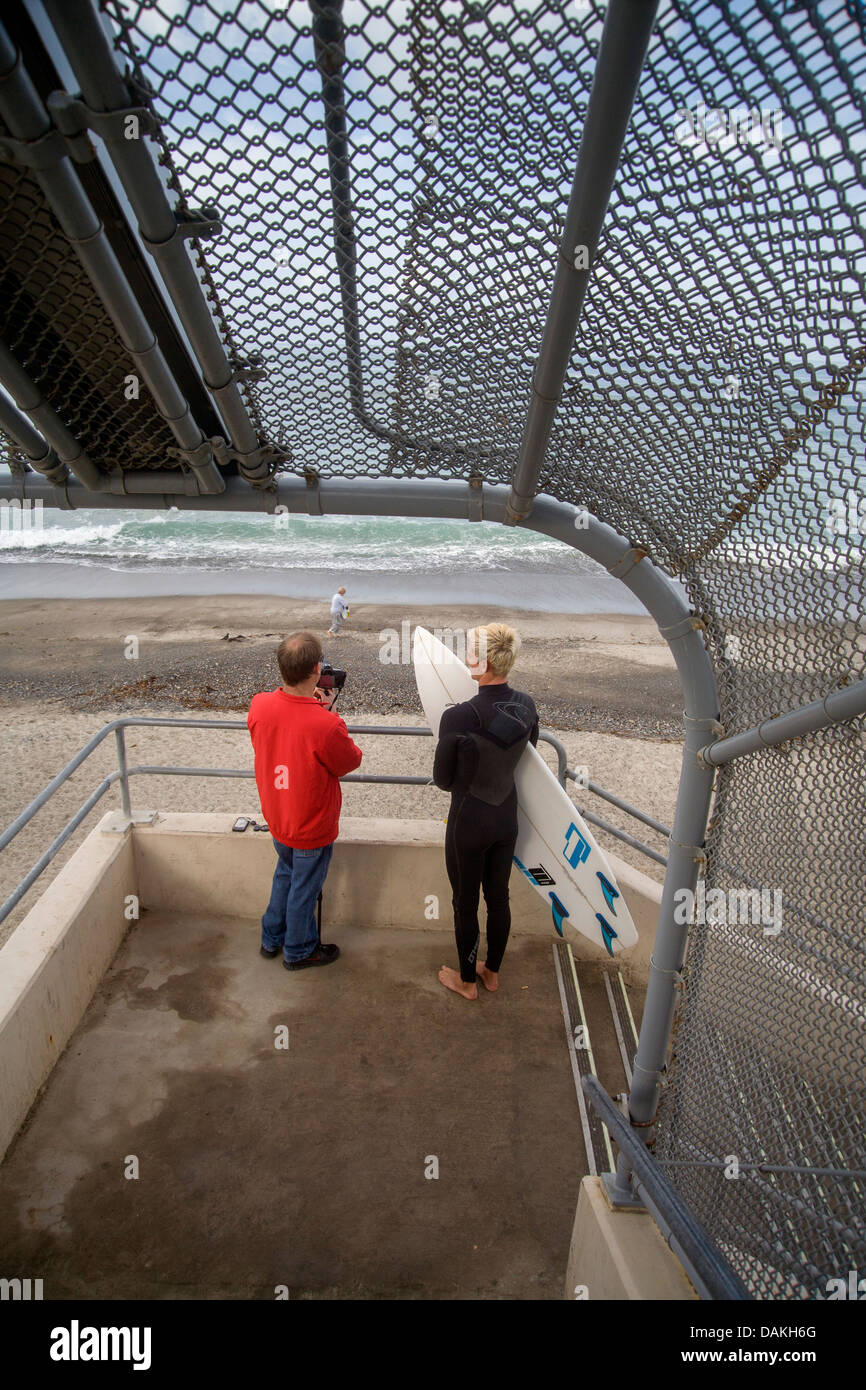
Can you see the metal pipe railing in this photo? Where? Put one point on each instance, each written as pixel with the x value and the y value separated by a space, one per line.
pixel 626 806
pixel 26 117
pixel 104 90
pixel 847 703
pixel 623 835
pixel 62 776
pixel 562 771
pixel 394 778
pixel 45 419
pixel 36 449
pixel 704 1263
pixel 123 773
pixel 120 744
pixel 56 844
pixel 624 41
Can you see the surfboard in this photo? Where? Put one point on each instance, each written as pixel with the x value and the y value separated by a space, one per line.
pixel 555 849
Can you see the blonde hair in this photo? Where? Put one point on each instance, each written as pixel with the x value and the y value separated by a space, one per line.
pixel 496 643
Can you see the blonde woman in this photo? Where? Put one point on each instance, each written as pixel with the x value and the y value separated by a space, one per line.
pixel 480 743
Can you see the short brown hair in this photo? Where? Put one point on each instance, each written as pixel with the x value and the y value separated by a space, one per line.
pixel 298 655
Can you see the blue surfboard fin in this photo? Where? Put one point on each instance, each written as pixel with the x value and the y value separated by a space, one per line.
pixel 608 889
pixel 607 932
pixel 559 912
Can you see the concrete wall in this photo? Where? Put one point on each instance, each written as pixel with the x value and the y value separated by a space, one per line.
pixel 52 964
pixel 618 1254
pixel 383 873
pixel 194 863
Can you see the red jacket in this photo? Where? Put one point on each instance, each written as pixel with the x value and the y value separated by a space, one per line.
pixel 301 749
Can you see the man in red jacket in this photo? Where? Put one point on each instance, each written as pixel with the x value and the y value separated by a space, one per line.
pixel 301 749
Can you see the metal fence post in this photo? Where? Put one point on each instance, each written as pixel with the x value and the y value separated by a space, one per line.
pixel 122 769
pixel 684 859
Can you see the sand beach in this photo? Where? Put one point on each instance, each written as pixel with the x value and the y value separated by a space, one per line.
pixel 605 684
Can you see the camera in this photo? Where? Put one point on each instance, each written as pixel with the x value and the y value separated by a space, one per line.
pixel 331 678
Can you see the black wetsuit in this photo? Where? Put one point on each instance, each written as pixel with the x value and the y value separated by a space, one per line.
pixel 480 743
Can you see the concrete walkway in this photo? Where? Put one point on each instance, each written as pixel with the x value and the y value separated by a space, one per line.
pixel 304 1165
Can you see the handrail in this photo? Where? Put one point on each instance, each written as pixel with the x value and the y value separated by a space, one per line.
pixel 622 835
pixel 123 773
pixel 627 807
pixel 42 863
pixel 564 772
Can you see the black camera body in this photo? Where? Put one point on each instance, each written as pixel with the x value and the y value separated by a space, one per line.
pixel 331 678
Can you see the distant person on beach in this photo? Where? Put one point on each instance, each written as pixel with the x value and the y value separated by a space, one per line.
pixel 301 749
pixel 339 611
pixel 480 744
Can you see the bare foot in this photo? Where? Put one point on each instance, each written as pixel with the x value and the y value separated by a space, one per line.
pixel 451 980
pixel 488 977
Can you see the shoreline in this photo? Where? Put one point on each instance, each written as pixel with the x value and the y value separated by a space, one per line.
pixel 607 673
pixel 568 592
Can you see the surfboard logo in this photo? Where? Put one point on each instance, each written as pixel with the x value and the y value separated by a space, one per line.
pixel 559 912
pixel 607 932
pixel 578 852
pixel 540 876
pixel 609 891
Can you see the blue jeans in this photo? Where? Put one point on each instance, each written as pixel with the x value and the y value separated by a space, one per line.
pixel 290 917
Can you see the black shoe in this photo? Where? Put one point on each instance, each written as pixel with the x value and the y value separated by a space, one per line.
pixel 270 954
pixel 323 955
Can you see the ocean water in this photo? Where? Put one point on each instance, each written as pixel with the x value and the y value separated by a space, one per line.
pixel 143 541
pixel 92 554
pixel 379 559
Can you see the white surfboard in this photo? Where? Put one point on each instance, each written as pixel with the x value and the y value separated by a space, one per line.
pixel 555 849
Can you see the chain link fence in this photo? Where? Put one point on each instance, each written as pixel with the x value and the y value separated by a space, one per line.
pixel 392 180
pixel 53 324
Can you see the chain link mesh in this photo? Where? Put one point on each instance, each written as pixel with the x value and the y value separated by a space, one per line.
pixel 59 332
pixel 392 194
